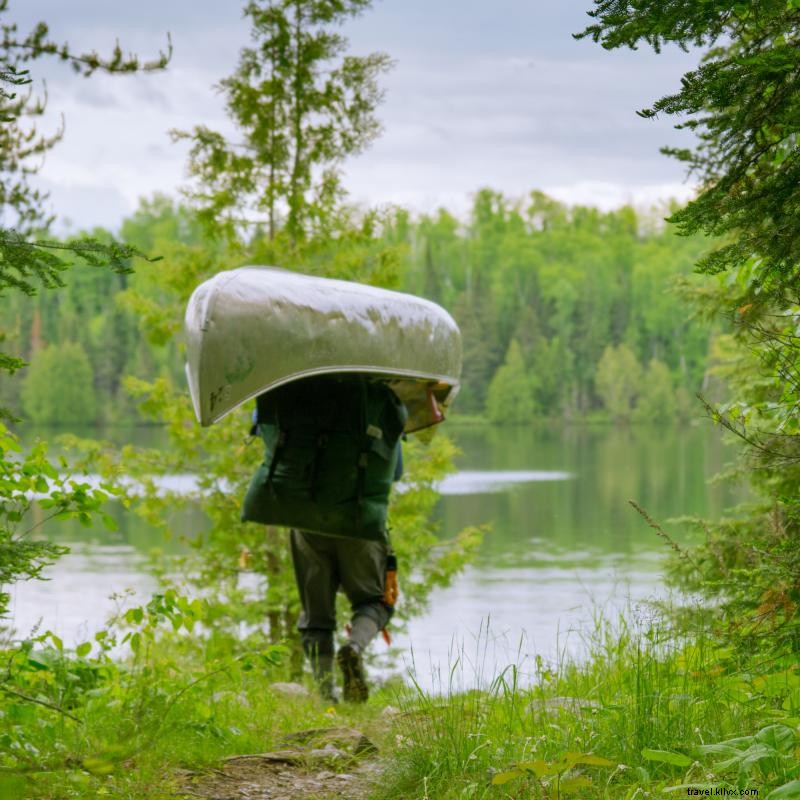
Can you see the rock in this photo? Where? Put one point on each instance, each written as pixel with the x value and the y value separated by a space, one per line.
pixel 348 739
pixel 276 757
pixel 290 689
pixel 390 711
pixel 239 698
pixel 327 755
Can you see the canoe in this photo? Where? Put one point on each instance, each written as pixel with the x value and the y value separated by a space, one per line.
pixel 252 329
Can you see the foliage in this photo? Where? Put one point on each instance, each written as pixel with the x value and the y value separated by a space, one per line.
pixel 86 722
pixel 561 306
pixel 766 757
pixel 23 478
pixel 301 105
pixel 29 261
pixel 67 367
pixel 618 380
pixel 563 282
pixel 656 402
pixel 742 103
pixel 644 711
pixel 510 398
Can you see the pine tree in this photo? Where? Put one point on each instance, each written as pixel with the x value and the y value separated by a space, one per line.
pixel 510 396
pixel 301 105
pixel 618 381
pixel 743 104
pixel 29 261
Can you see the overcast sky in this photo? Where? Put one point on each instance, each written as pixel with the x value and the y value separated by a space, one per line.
pixel 493 94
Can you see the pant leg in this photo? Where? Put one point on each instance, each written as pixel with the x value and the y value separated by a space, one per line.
pixel 317 581
pixel 362 573
pixel 316 571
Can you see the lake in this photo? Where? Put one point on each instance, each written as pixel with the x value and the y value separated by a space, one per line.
pixel 564 546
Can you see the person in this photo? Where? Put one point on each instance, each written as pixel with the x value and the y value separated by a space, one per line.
pixel 365 569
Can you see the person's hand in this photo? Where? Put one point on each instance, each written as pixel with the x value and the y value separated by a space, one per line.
pixel 391 589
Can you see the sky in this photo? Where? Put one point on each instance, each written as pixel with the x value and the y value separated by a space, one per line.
pixel 482 94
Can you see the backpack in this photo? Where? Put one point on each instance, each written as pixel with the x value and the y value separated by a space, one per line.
pixel 331 451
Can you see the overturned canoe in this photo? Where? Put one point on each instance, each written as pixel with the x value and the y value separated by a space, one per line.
pixel 252 329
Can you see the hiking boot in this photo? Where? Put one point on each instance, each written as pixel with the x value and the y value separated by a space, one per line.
pixel 354 678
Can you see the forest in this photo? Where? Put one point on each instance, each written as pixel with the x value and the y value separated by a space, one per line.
pixel 618 330
pixel 565 312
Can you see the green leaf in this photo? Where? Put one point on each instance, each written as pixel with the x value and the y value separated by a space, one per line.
pixel 779 737
pixel 83 649
pixel 573 784
pixel 505 777
pixel 98 766
pixel 587 758
pixel 667 757
pixel 538 767
pixel 134 615
pixel 789 791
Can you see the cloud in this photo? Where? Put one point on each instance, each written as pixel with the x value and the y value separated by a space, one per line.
pixel 85 205
pixel 496 95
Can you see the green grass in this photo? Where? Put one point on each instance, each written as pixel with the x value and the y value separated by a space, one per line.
pixel 639 716
pixel 644 712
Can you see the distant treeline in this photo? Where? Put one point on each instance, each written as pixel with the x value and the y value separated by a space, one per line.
pixel 564 311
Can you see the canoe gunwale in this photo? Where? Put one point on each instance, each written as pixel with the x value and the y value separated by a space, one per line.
pixel 379 374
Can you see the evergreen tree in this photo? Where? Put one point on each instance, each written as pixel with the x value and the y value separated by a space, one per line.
pixel 743 103
pixel 301 105
pixel 510 396
pixel 657 402
pixel 28 262
pixel 618 381
pixel 482 353
pixel 58 386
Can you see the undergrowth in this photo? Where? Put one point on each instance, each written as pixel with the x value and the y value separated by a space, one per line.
pixel 647 714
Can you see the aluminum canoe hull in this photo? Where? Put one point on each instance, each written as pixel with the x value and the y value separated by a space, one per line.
pixel 252 329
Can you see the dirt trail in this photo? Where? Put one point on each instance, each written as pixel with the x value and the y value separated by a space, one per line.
pixel 316 764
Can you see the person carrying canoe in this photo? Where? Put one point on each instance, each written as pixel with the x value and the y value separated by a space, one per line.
pixel 332 451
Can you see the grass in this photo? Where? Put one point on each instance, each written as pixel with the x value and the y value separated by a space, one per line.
pixel 646 712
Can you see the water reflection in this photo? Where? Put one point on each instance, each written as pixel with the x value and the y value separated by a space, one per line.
pixel 563 541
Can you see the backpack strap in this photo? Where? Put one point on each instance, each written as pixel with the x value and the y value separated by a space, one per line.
pixel 322 441
pixel 280 443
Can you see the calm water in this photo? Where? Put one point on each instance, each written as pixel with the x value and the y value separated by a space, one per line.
pixel 564 543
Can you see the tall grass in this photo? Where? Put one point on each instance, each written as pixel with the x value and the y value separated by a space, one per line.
pixel 625 722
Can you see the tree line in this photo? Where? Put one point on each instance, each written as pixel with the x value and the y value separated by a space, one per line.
pixel 565 311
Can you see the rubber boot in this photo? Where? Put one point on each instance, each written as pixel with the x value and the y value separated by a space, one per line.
pixel 350 658
pixel 318 647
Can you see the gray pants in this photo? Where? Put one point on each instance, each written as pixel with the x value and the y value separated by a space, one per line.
pixel 323 564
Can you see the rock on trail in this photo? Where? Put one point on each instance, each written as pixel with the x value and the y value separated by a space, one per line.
pixel 316 764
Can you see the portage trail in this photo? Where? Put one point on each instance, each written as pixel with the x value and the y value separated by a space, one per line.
pixel 314 764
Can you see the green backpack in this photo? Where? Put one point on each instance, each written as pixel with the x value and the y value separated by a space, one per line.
pixel 331 453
